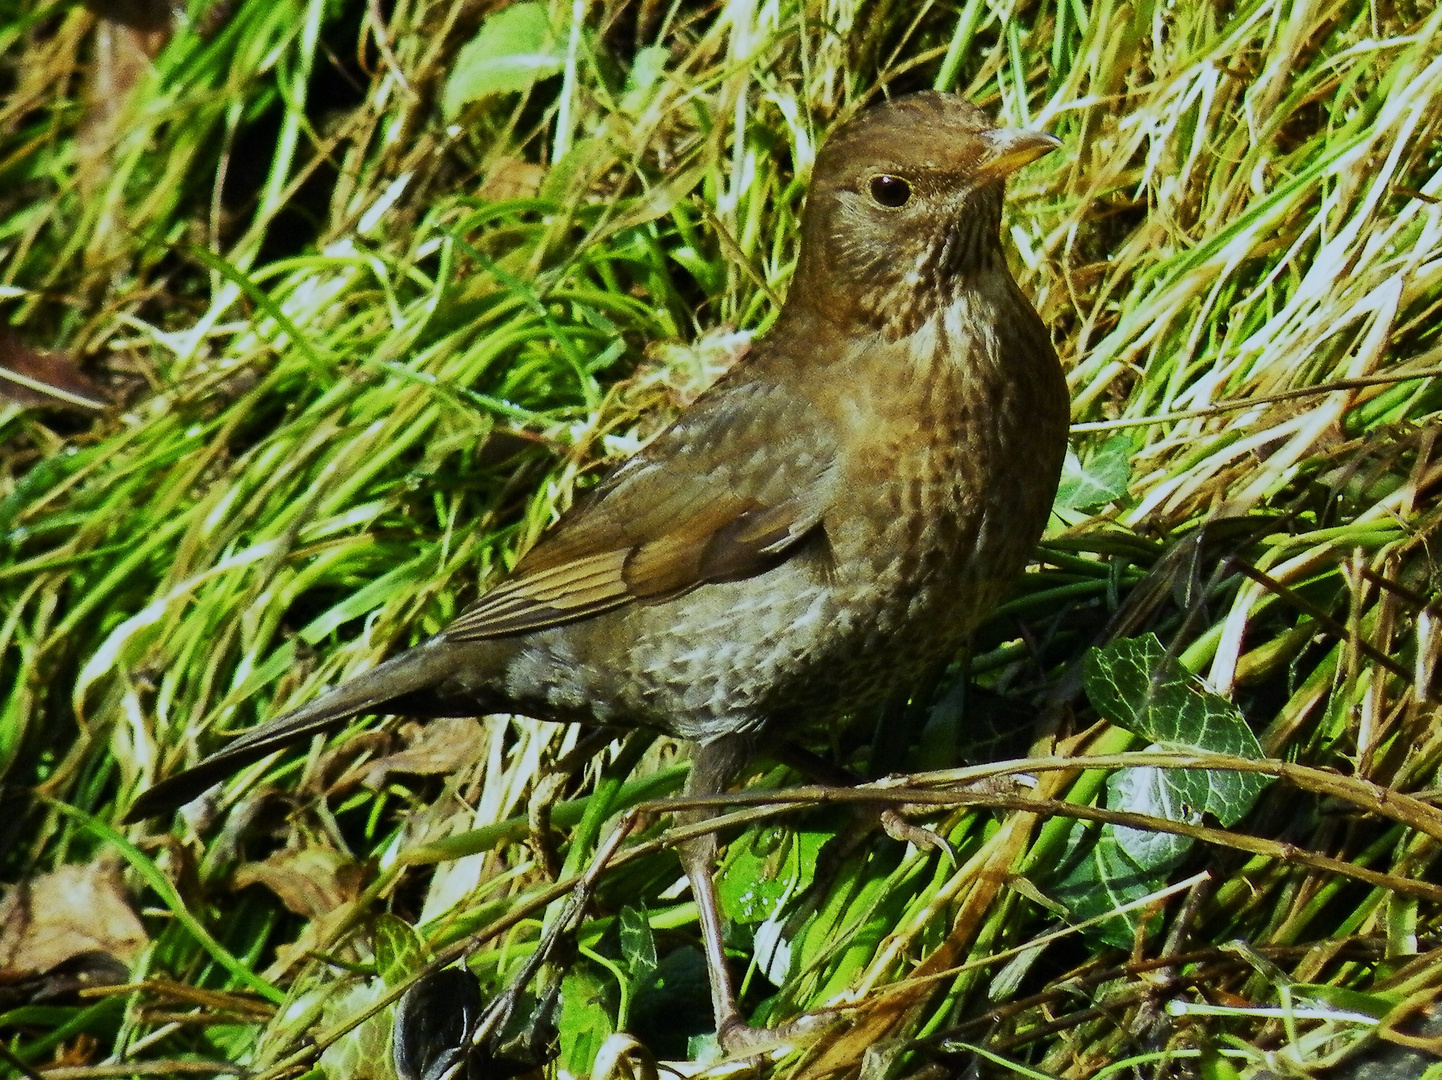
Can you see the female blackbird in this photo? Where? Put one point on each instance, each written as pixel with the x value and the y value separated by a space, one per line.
pixel 828 521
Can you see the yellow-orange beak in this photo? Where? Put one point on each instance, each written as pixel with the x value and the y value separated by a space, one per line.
pixel 1013 148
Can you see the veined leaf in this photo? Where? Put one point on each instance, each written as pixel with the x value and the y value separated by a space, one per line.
pixel 513 48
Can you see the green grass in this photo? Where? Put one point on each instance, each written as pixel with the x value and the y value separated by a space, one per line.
pixel 363 353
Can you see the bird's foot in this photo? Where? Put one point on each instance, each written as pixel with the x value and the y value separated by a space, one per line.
pixel 543 838
pixel 740 1039
pixel 908 832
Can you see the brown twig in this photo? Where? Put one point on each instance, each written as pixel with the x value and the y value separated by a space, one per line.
pixel 158 1067
pixel 1302 604
pixel 1227 405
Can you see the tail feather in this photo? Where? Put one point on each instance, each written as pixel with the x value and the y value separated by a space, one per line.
pixel 409 673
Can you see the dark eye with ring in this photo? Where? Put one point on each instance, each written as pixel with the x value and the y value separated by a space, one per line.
pixel 891 191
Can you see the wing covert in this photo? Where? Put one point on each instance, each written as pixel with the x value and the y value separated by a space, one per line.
pixel 700 504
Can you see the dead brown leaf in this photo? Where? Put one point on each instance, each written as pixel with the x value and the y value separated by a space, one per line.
pixel 33 377
pixel 310 881
pixel 512 178
pixel 336 770
pixel 74 909
pixel 86 971
pixel 440 747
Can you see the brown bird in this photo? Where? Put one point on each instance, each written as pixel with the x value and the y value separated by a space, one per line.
pixel 823 525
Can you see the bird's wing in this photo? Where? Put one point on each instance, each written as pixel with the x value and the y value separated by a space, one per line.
pixel 726 492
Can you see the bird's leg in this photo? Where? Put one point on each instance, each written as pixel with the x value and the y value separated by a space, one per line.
pixel 713 766
pixel 543 797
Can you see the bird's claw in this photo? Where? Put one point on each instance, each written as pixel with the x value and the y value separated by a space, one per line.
pixel 740 1039
pixel 543 838
pixel 898 828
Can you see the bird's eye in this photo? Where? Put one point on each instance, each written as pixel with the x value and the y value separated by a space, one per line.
pixel 890 191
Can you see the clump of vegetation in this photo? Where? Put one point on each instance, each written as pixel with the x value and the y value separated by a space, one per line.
pixel 374 289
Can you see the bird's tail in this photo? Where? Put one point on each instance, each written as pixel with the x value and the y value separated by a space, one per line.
pixel 408 674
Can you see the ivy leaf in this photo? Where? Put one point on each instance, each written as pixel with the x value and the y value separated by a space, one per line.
pixel 1136 685
pixel 513 49
pixel 763 869
pixel 400 952
pixel 638 944
pixel 1101 479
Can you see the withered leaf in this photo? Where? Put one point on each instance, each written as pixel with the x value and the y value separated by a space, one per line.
pixel 84 971
pixel 74 909
pixel 443 746
pixel 310 881
pixel 34 377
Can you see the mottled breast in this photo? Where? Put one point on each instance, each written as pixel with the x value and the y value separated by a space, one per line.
pixel 958 448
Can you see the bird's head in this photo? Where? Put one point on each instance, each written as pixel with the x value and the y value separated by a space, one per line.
pixel 905 205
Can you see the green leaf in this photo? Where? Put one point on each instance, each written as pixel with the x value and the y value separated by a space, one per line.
pixel 1102 881
pixel 586 1020
pixel 513 48
pixel 353 1054
pixel 400 952
pixel 1136 685
pixel 1153 792
pixel 1101 479
pixel 763 869
pixel 647 71
pixel 638 944
pixel 575 169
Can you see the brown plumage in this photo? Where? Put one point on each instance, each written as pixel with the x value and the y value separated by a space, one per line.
pixel 830 519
